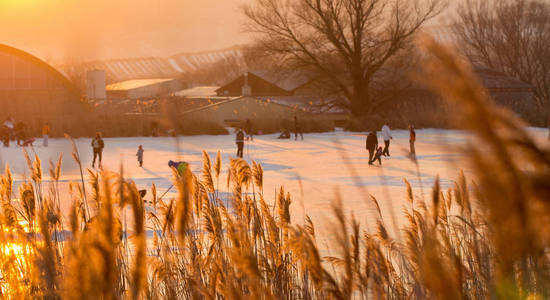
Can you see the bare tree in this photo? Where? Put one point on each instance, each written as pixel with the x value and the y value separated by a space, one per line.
pixel 344 42
pixel 216 73
pixel 77 76
pixel 224 70
pixel 510 36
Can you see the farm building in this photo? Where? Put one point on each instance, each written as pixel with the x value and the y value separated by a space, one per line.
pixel 267 99
pixel 174 66
pixel 144 88
pixel 251 84
pixel 299 90
pixel 34 92
pixel 506 91
pixel 235 110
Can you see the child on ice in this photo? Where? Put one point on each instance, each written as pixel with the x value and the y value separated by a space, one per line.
pixel 180 167
pixel 378 156
pixel 139 155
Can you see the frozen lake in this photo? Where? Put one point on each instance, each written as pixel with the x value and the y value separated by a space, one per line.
pixel 312 170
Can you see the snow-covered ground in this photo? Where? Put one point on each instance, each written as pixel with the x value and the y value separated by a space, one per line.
pixel 313 170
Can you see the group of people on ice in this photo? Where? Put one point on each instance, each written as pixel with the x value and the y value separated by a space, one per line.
pixel 98 144
pixel 248 130
pixel 285 134
pixel 17 131
pixel 376 152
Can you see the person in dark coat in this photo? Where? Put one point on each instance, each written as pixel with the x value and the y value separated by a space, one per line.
pixel 249 130
pixel 180 166
pixel 5 136
pixel 28 142
pixel 412 139
pixel 378 156
pixel 285 134
pixel 139 155
pixel 297 129
pixel 20 133
pixel 97 145
pixel 372 144
pixel 239 140
pixel 9 125
pixel 154 129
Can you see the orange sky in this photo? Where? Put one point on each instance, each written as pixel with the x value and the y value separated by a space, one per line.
pixel 62 31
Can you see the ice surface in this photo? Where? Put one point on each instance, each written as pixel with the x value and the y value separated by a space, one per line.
pixel 313 170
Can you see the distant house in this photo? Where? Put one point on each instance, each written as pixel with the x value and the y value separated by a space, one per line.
pixel 261 95
pixel 251 84
pixel 144 88
pixel 506 91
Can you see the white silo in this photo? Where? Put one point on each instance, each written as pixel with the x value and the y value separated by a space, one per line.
pixel 95 84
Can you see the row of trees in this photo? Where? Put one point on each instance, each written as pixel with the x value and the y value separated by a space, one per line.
pixel 350 44
pixel 511 36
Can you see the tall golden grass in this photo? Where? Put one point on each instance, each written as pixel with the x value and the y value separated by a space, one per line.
pixel 488 239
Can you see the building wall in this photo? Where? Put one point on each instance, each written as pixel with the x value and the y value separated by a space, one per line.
pixel 33 92
pixel 236 111
pixel 150 91
pixel 258 87
pixel 424 108
pixel 520 101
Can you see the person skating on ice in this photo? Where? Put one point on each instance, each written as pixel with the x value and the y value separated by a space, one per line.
pixel 297 129
pixel 45 134
pixel 378 156
pixel 139 155
pixel 412 139
pixel 372 144
pixel 386 135
pixel 97 145
pixel 239 140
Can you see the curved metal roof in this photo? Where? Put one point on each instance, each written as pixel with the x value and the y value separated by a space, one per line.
pixel 37 61
pixel 157 67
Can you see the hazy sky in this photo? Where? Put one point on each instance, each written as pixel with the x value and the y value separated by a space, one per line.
pixel 57 30
pixel 69 31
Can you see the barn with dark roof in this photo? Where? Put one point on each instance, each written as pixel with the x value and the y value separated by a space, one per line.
pixel 506 91
pixel 257 84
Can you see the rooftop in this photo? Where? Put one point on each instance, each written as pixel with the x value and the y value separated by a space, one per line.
pixel 199 91
pixel 306 103
pixel 134 84
pixel 158 67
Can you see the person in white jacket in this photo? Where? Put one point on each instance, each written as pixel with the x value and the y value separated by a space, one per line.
pixel 386 135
